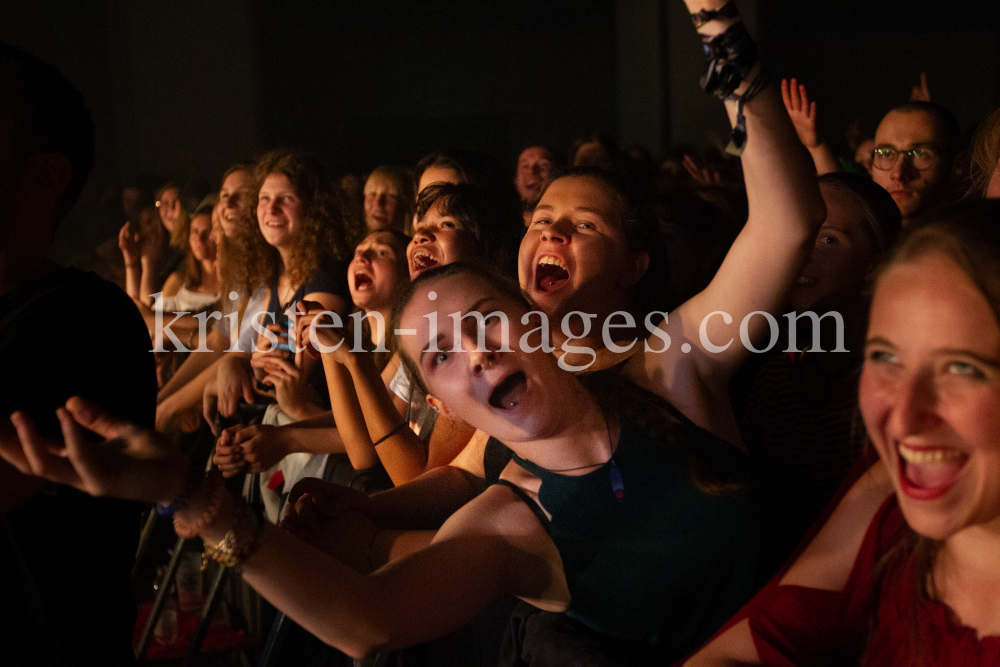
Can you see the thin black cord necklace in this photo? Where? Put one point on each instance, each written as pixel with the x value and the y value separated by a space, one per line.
pixel 617 484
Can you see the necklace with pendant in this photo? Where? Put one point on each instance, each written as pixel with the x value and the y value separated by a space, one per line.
pixel 617 484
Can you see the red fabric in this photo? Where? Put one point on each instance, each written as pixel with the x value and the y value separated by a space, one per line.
pixel 219 637
pixel 277 481
pixel 806 626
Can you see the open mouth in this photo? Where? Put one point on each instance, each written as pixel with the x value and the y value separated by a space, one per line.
pixel 805 281
pixel 423 261
pixel 509 392
pixel 550 274
pixel 928 473
pixel 362 281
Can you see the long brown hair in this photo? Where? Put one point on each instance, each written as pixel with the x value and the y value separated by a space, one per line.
pixel 969 235
pixel 327 229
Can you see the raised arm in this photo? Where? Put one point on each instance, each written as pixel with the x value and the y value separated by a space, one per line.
pixel 785 211
pixel 803 115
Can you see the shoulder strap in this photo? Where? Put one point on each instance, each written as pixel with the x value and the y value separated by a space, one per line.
pixel 532 505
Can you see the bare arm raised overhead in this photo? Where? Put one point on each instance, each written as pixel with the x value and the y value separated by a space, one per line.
pixel 785 211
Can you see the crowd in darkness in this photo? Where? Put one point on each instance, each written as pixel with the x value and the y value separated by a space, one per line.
pixel 591 408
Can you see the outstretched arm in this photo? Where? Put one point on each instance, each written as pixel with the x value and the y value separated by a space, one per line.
pixel 803 115
pixel 493 546
pixel 785 211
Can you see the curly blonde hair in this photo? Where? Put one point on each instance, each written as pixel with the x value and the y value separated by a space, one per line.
pixel 330 227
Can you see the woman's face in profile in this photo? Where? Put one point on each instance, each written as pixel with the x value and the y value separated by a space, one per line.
pixel 930 395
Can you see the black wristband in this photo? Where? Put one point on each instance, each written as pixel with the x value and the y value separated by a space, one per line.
pixel 726 11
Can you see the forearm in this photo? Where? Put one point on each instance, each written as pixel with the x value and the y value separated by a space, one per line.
pixel 133 279
pixel 824 159
pixel 427 595
pixel 427 501
pixel 146 285
pixel 193 367
pixel 314 440
pixel 348 415
pixel 403 454
pixel 190 393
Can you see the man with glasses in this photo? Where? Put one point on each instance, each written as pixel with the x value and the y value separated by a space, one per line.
pixel 915 147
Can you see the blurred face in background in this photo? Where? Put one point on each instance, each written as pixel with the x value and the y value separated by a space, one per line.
pixel 201 239
pixel 534 167
pixel 232 201
pixel 169 206
pixel 841 257
pixel 382 205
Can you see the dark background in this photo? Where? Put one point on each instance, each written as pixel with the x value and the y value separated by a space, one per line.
pixel 183 89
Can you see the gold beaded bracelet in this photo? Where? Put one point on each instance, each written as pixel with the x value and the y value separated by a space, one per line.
pixel 239 542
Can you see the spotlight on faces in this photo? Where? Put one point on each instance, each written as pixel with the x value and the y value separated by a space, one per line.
pixel 534 167
pixel 913 189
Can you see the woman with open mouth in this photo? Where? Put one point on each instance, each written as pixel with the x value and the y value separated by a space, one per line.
pixel 455 223
pixel 623 505
pixel 905 570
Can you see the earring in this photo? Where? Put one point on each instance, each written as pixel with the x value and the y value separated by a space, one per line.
pixel 435 408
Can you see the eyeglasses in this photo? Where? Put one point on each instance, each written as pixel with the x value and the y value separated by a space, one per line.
pixel 921 158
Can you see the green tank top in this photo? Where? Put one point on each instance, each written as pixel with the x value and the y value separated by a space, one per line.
pixel 667 564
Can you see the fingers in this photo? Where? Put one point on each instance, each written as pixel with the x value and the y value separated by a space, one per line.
pixel 209 407
pixel 38 458
pixel 242 434
pixel 248 394
pixel 228 457
pixel 12 445
pixel 785 95
pixel 94 418
pixel 310 485
pixel 304 306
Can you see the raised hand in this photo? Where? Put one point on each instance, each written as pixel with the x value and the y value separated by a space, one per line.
pixel 132 463
pixel 921 93
pixel 801 111
pixel 314 334
pixel 701 175
pixel 130 243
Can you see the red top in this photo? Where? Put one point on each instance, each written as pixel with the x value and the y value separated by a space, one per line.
pixel 796 625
